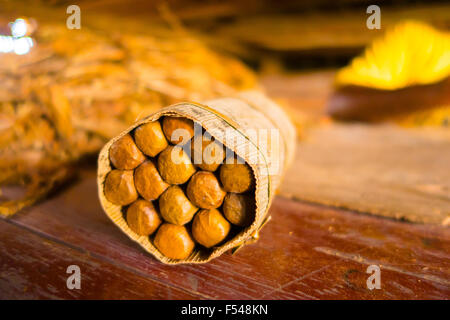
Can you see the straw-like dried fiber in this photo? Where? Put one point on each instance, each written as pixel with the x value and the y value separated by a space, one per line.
pixel 239 116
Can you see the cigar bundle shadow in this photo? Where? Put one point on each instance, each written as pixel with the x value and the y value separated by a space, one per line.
pixel 192 180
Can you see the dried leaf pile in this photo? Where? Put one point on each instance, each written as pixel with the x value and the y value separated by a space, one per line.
pixel 76 90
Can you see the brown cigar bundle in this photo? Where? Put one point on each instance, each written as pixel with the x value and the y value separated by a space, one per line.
pixel 193 180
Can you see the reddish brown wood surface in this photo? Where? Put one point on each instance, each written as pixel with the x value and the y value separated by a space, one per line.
pixel 306 252
pixel 35 267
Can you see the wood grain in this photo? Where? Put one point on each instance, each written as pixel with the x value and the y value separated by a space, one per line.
pixel 33 267
pixel 303 249
pixel 379 169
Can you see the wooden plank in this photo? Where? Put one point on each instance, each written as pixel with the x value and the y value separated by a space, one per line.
pixel 414 259
pixel 379 169
pixel 290 249
pixel 33 267
pixel 347 280
pixel 75 217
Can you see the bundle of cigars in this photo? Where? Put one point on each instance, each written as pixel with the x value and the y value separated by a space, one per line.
pixel 192 180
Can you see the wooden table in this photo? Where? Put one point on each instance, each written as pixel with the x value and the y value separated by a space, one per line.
pixel 307 251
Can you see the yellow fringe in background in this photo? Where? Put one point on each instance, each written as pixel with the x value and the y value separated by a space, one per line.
pixel 412 53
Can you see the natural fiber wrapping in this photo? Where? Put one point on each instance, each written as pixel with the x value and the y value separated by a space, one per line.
pixel 231 121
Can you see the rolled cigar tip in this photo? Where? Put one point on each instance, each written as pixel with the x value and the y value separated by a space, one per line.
pixel 205 191
pixel 210 227
pixel 236 177
pixel 148 181
pixel 119 187
pixel 175 166
pixel 174 241
pixel 143 218
pixel 150 138
pixel 124 154
pixel 206 153
pixel 171 124
pixel 175 207
pixel 239 209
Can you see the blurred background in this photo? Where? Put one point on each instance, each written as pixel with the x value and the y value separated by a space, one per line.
pixel 321 33
pixel 65 92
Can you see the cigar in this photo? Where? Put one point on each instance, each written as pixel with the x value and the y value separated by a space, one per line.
pixel 148 181
pixel 207 154
pixel 175 207
pixel 150 138
pixel 210 227
pixel 239 209
pixel 174 241
pixel 178 130
pixel 205 191
pixel 143 218
pixel 119 187
pixel 175 166
pixel 236 177
pixel 124 154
